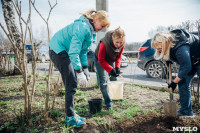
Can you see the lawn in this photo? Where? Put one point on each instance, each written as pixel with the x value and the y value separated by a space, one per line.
pixel 140 111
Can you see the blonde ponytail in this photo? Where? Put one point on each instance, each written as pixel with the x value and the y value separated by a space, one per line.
pixel 102 16
pixel 89 14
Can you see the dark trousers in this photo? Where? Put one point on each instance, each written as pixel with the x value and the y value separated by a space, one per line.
pixel 64 65
pixel 185 93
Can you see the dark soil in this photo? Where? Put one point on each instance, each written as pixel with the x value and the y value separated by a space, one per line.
pixel 152 123
pixel 146 123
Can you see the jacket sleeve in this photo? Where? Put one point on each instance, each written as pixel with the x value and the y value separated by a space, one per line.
pixel 83 56
pixel 86 44
pixel 78 37
pixel 183 58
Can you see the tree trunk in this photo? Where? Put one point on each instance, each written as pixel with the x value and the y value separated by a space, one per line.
pixel 16 69
pixel 18 46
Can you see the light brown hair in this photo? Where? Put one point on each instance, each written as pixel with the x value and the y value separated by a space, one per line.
pixel 118 33
pixel 101 15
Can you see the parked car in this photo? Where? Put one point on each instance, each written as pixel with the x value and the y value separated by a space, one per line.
pixel 154 68
pixel 124 61
pixel 91 57
pixel 43 53
pixel 29 53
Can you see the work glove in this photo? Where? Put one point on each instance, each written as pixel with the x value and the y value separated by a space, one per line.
pixel 118 71
pixel 82 81
pixel 113 73
pixel 173 85
pixel 87 73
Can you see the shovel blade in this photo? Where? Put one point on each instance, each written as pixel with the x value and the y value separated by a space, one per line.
pixel 170 108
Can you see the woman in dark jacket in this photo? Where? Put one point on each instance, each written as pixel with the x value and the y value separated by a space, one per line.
pixel 182 48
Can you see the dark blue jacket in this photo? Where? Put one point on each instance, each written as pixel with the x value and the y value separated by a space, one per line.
pixel 186 51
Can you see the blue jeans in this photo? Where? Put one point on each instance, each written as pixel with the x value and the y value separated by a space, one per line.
pixel 103 77
pixel 185 93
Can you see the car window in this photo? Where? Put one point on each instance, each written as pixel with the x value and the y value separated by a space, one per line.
pixel 28 47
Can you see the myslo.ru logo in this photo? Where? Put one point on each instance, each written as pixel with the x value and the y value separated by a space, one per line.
pixel 184 128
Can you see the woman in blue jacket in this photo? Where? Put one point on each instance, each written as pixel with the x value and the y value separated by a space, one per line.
pixel 182 48
pixel 68 52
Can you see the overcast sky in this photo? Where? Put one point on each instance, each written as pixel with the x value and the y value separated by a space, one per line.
pixel 136 17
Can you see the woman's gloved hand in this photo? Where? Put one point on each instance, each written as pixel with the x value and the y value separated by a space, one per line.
pixel 118 71
pixel 87 73
pixel 113 73
pixel 173 85
pixel 82 81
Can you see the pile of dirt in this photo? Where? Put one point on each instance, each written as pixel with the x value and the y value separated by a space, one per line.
pixel 152 123
pixel 145 123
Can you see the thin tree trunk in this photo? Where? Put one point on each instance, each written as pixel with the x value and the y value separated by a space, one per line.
pixel 50 64
pixel 18 46
pixel 55 91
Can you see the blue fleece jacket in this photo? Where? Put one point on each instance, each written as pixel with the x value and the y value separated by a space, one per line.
pixel 75 39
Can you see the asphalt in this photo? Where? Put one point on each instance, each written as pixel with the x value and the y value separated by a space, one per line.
pixel 134 75
pixel 131 75
pixel 138 80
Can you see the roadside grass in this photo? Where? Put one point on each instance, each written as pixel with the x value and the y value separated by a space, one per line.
pixel 12 109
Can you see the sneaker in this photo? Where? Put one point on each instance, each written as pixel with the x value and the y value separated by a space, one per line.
pixel 185 116
pixel 80 118
pixel 74 121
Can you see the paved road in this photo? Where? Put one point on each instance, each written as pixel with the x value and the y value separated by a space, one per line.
pixel 135 75
pixel 131 74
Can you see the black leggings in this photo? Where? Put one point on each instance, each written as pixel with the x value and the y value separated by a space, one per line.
pixel 64 65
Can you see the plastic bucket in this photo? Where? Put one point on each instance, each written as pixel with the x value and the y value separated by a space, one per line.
pixel 116 90
pixel 95 105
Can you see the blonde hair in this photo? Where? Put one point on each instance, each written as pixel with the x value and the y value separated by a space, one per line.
pixel 165 39
pixel 101 15
pixel 118 33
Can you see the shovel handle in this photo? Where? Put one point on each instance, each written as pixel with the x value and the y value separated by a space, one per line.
pixel 170 73
pixel 170 78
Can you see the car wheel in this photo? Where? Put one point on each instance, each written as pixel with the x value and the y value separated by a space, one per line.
pixel 155 69
pixel 43 59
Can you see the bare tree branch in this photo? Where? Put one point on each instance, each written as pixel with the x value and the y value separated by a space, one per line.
pixel 50 64
pixel 18 12
pixel 33 3
pixel 51 9
pixel 8 36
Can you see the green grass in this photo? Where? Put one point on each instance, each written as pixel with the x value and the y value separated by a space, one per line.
pixel 3 102
pixel 122 109
pixel 163 90
pixel 100 120
pixel 127 113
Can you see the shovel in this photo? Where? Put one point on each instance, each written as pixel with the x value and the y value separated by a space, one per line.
pixel 170 107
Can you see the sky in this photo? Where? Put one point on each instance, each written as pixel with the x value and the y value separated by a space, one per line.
pixel 136 17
